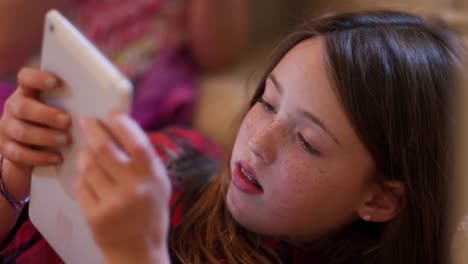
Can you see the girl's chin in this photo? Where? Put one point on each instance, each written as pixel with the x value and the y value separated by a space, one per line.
pixel 238 212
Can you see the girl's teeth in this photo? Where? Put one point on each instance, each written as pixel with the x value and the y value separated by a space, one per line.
pixel 247 175
pixel 250 178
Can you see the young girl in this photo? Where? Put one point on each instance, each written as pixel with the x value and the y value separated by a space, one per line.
pixel 342 157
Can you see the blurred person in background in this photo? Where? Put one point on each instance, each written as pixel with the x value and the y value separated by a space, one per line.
pixel 161 45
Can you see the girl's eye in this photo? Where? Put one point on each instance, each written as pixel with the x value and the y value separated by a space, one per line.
pixel 307 146
pixel 267 106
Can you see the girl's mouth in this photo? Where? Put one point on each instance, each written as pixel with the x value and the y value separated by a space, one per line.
pixel 244 179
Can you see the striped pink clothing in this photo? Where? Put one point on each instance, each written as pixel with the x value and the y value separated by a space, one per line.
pixel 132 32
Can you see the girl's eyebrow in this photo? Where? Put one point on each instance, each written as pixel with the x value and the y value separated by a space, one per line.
pixel 304 113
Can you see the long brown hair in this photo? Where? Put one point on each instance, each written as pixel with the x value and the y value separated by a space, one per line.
pixel 393 73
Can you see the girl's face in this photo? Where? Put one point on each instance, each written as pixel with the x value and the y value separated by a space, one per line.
pixel 298 169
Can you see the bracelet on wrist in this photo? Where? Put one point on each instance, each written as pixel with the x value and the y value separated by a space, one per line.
pixel 16 204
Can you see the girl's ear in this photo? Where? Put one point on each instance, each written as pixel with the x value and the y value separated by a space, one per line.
pixel 382 203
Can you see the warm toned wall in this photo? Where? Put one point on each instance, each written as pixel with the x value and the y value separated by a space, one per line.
pixel 273 18
pixel 455 12
pixel 420 6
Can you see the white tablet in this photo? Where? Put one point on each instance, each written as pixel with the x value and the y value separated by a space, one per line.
pixel 92 87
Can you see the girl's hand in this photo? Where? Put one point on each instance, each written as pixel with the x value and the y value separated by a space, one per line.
pixel 28 125
pixel 124 189
pixel 27 128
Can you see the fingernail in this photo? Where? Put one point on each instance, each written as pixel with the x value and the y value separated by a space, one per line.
pixel 62 119
pixel 61 139
pixel 50 83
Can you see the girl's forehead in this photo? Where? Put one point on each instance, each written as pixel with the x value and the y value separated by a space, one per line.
pixel 302 76
pixel 307 52
pixel 303 70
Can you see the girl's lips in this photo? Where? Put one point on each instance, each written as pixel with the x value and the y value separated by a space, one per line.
pixel 244 179
pixel 246 167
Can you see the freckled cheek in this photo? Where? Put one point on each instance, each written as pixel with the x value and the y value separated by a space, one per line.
pixel 252 122
pixel 247 123
pixel 295 185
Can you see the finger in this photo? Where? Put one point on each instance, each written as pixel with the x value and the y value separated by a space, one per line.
pixel 133 140
pixel 97 179
pixel 111 158
pixel 86 197
pixel 34 111
pixel 29 134
pixel 31 81
pixel 22 154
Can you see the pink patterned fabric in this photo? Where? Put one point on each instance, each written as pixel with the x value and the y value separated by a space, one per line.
pixel 132 32
pixel 146 39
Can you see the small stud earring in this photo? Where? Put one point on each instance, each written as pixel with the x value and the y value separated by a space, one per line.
pixel 366 218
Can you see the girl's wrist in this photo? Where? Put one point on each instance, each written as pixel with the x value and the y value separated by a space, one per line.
pixel 16 179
